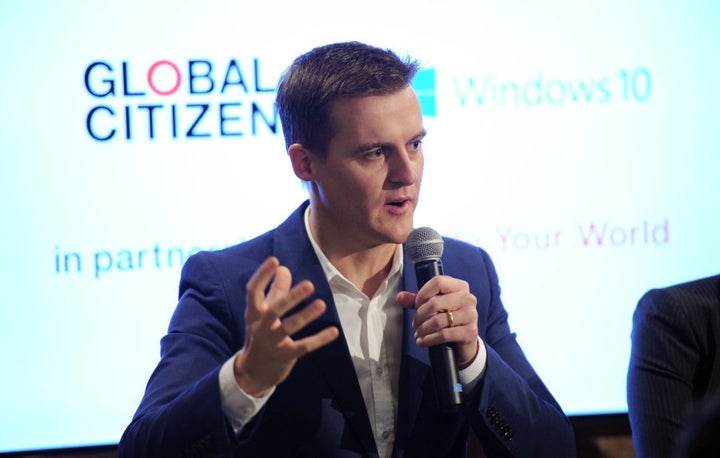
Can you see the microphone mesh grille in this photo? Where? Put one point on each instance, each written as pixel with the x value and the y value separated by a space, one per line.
pixel 423 244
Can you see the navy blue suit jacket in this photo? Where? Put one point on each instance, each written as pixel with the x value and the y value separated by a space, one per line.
pixel 674 362
pixel 319 410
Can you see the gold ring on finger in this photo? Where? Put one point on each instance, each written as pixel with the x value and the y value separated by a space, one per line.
pixel 451 318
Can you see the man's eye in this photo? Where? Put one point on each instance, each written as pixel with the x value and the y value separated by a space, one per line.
pixel 376 152
pixel 417 144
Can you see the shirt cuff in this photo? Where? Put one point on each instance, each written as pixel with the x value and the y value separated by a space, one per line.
pixel 239 407
pixel 474 372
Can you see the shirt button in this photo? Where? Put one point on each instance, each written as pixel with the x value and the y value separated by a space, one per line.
pixel 385 434
pixel 379 370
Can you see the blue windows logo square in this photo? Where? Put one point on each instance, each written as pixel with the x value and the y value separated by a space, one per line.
pixel 424 85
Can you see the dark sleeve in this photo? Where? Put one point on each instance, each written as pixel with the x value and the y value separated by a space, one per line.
pixel 513 413
pixel 663 362
pixel 180 413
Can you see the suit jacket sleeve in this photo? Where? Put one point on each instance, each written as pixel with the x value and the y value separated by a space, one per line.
pixel 672 362
pixel 181 414
pixel 511 411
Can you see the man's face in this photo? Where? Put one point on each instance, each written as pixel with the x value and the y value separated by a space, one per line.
pixel 365 192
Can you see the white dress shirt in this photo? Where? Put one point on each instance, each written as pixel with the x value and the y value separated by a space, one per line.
pixel 373 333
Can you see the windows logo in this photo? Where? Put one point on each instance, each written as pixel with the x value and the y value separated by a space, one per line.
pixel 424 85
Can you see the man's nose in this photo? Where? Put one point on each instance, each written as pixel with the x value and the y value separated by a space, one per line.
pixel 404 167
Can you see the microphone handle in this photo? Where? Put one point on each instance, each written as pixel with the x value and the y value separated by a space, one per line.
pixel 448 389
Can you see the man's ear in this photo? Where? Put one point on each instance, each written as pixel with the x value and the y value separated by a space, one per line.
pixel 302 161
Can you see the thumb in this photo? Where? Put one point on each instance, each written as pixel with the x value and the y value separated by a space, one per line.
pixel 406 299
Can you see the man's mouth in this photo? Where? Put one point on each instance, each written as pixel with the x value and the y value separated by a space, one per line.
pixel 399 203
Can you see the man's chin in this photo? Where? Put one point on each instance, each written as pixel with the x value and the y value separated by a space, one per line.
pixel 401 235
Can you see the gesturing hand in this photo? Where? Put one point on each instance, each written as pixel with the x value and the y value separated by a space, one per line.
pixel 269 353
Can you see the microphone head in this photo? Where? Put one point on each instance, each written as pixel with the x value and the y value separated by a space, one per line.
pixel 424 244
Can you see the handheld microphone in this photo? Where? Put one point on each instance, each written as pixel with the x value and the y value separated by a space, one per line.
pixel 424 246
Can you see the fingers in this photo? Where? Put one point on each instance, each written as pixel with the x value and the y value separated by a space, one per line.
pixel 259 281
pixel 442 322
pixel 270 353
pixel 280 284
pixel 280 298
pixel 315 341
pixel 299 320
pixel 445 312
pixel 437 330
pixel 439 294
pixel 406 299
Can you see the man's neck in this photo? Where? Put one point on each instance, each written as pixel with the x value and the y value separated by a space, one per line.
pixel 365 267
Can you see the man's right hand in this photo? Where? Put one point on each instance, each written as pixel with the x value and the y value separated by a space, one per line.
pixel 269 353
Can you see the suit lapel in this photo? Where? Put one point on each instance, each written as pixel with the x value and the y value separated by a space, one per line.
pixel 335 365
pixel 414 369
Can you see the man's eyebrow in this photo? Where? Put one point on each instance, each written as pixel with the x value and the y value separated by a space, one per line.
pixel 373 145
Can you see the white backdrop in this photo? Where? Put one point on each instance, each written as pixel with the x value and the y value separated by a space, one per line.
pixel 576 143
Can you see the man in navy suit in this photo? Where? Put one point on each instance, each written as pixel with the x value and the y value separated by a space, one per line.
pixel 674 363
pixel 312 339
